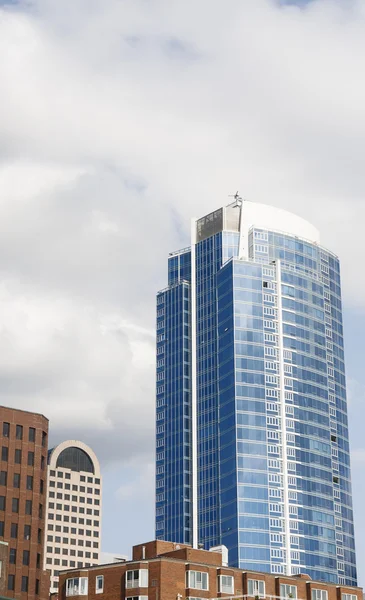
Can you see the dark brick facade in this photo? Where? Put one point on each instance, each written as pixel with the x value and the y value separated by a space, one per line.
pixel 23 485
pixel 168 563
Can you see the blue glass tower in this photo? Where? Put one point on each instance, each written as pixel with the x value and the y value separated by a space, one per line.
pixel 252 447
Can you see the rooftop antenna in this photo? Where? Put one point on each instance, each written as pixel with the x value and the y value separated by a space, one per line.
pixel 238 199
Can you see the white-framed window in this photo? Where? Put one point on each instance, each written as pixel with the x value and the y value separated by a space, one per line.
pixel 160 429
pixel 160 415
pixel 273 449
pixel 276 538
pixel 269 298
pixel 160 337
pixel 339 536
pixel 290 437
pixel 275 568
pixel 340 551
pixel 261 235
pixel 276 553
pixel 261 248
pixel 290 423
pixel 77 586
pixel 288 355
pixel 160 362
pixel 273 463
pixel 337 507
pixel 269 310
pixel 319 594
pixel 271 393
pixel 272 421
pixel 293 510
pixel 340 566
pixel 272 406
pixel 271 365
pixel 288 382
pixel 295 555
pixel 160 402
pixel 160 525
pixel 290 452
pixel 338 522
pixel 274 478
pixel 160 511
pixel 341 580
pixel 197 580
pixel 291 466
pixel 226 584
pixel 294 540
pixel 269 337
pixel 160 470
pixel 292 480
pixel 256 587
pixel 288 591
pixel 99 584
pixel 136 579
pixel 292 495
pixel 160 497
pixel 336 494
pixel 160 376
pixel 268 272
pixel 275 507
pixel 293 525
pixel 160 483
pixel 276 523
pixel 272 434
pixel 288 369
pixel 270 351
pixel 160 389
pixel 137 598
pixel 289 410
pixel 159 443
pixel 275 492
pixel 289 396
pixel 269 324
pixel 160 456
pixel 333 412
pixel 271 379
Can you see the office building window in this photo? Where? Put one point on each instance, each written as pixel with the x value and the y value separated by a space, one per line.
pixel 4 453
pixel 197 580
pixel 24 583
pixel 11 582
pixel 319 595
pixel 3 477
pixel 19 432
pixel 136 578
pixel 6 430
pixel 14 530
pixel 256 587
pixel 99 585
pixel 18 456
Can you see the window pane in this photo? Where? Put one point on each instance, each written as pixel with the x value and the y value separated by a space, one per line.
pixel 19 432
pixel 32 439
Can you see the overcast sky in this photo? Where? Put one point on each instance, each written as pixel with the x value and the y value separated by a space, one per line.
pixel 119 121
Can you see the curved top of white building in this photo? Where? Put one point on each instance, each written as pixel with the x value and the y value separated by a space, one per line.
pixel 269 217
pixel 74 455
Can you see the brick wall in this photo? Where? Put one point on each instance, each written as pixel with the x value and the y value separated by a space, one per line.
pixel 167 577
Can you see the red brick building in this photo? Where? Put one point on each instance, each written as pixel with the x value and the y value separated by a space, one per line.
pixel 167 571
pixel 23 473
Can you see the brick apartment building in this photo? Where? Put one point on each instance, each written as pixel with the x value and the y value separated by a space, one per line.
pixel 168 571
pixel 23 474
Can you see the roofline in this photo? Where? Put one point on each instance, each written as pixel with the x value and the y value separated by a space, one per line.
pixel 200 564
pixel 27 412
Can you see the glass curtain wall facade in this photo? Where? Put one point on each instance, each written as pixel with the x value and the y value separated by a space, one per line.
pixel 252 446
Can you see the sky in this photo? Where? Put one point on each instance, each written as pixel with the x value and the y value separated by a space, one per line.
pixel 119 121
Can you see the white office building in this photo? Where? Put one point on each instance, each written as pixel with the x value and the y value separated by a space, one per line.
pixel 73 518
